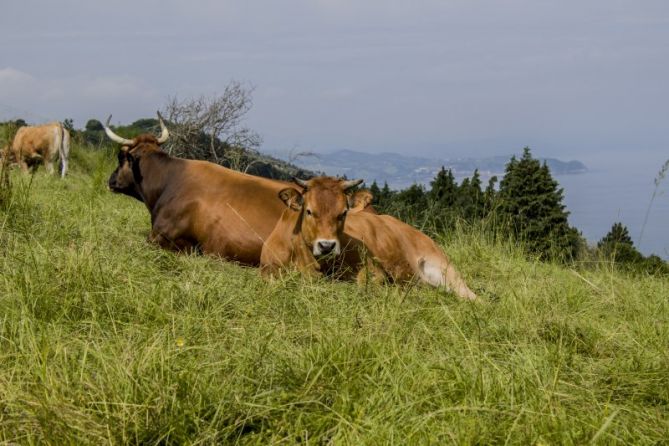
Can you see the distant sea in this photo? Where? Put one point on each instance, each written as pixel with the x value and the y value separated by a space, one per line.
pixel 606 195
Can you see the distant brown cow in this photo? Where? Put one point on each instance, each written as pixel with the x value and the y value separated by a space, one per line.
pixel 43 143
pixel 310 233
pixel 197 204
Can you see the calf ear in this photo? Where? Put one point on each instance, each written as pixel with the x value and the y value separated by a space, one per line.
pixel 360 200
pixel 292 198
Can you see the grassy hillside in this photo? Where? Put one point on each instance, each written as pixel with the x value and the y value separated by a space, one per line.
pixel 106 339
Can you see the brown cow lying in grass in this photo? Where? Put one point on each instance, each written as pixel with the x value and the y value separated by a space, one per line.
pixel 318 223
pixel 196 205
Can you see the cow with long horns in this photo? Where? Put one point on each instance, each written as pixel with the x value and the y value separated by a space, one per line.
pixel 196 204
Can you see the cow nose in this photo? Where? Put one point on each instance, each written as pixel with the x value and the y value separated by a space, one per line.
pixel 326 246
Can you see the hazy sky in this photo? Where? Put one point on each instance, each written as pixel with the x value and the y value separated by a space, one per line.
pixel 572 79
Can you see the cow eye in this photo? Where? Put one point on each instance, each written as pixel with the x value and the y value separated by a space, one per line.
pixel 309 212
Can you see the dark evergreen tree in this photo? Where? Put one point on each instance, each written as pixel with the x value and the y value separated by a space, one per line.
pixel 475 184
pixel 385 197
pixel 376 193
pixel 490 196
pixel 444 190
pixel 531 202
pixel 618 245
pixel 617 235
pixel 469 202
pixel 413 197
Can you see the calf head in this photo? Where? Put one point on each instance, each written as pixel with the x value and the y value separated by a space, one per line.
pixel 323 205
pixel 127 176
pixel 361 200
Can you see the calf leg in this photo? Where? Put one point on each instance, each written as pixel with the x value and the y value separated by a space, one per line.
pixel 370 270
pixel 24 166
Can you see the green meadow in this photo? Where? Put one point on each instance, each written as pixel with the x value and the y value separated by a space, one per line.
pixel 105 339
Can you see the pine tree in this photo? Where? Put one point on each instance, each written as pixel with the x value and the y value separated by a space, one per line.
pixel 414 197
pixel 531 202
pixel 490 196
pixel 376 193
pixel 444 189
pixel 475 185
pixel 470 198
pixel 386 196
pixel 618 234
pixel 618 245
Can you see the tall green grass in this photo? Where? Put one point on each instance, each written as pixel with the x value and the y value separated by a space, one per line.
pixel 105 339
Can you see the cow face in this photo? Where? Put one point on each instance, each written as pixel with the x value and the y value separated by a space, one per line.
pixel 127 176
pixel 323 205
pixel 122 180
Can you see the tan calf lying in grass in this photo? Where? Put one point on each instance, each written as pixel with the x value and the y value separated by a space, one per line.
pixel 319 232
pixel 310 234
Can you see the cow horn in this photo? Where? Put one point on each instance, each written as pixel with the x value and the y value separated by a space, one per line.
pixel 114 137
pixel 346 185
pixel 165 133
pixel 300 182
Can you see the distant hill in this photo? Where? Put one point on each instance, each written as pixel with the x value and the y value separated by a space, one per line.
pixel 401 171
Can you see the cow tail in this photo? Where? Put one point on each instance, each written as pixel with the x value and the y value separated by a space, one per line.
pixel 64 149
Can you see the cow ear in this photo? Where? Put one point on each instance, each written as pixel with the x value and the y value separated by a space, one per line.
pixel 360 200
pixel 292 198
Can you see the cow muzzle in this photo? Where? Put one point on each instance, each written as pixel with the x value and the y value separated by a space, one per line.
pixel 323 247
pixel 111 183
